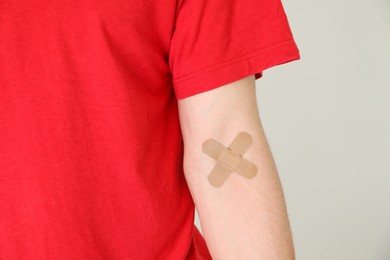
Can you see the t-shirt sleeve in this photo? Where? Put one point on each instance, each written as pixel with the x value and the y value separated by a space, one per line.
pixel 216 42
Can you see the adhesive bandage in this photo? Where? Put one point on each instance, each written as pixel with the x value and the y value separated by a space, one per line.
pixel 229 159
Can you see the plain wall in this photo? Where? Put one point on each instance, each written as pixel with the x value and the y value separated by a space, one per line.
pixel 327 119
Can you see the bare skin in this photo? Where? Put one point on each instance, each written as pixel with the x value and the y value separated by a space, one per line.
pixel 245 218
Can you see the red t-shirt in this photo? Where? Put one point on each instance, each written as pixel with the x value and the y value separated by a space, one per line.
pixel 90 142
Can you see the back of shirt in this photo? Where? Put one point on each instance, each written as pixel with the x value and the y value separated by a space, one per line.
pixel 90 143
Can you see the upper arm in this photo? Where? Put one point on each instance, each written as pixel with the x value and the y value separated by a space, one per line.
pixel 213 108
pixel 230 187
pixel 217 100
pixel 220 113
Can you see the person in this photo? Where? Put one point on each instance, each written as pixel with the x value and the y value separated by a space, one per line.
pixel 104 109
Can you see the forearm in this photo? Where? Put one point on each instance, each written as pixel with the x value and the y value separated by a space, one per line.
pixel 244 218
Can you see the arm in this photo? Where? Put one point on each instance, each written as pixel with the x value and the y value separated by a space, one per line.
pixel 243 218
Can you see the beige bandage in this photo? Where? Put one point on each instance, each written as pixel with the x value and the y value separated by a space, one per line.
pixel 229 159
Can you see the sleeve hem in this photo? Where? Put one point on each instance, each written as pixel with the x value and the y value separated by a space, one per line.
pixel 235 69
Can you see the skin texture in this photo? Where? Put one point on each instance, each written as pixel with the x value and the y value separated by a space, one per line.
pixel 244 218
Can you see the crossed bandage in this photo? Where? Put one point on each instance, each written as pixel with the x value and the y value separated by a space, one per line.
pixel 229 159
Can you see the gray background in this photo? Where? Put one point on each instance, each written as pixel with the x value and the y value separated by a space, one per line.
pixel 327 119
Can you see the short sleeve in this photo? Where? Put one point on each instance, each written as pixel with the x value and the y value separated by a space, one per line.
pixel 216 42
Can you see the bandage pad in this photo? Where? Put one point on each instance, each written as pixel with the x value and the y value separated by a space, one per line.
pixel 229 159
